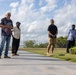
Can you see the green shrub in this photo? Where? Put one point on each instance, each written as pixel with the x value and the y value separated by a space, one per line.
pixel 73 50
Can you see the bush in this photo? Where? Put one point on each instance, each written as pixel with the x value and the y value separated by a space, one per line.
pixel 73 50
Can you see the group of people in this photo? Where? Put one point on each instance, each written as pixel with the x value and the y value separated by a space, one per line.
pixel 7 30
pixel 52 34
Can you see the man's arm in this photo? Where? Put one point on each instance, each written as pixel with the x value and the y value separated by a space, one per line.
pixel 56 33
pixel 50 33
pixel 6 26
pixel 2 24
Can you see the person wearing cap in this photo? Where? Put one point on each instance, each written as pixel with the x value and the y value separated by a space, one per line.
pixel 52 34
pixel 71 38
pixel 6 26
pixel 16 31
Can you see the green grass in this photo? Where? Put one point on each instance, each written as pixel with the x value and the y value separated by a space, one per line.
pixel 58 53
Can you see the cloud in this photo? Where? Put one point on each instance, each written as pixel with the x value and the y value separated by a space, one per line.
pixel 51 5
pixel 30 1
pixel 14 4
pixel 35 18
pixel 33 27
pixel 41 2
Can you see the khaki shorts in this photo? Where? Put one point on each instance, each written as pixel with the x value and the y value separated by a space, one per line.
pixel 52 40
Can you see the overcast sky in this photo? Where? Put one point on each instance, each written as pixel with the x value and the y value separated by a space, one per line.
pixel 35 16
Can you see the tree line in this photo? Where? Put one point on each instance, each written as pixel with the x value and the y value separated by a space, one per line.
pixel 61 42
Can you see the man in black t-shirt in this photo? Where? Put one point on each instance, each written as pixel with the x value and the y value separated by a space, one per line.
pixel 52 33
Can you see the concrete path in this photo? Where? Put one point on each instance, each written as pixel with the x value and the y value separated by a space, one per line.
pixel 34 64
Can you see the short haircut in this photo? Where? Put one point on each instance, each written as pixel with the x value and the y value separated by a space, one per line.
pixel 52 20
pixel 73 25
pixel 18 23
pixel 8 13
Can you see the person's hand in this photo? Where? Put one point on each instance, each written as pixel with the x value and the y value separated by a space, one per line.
pixel 54 36
pixel 0 25
pixel 7 26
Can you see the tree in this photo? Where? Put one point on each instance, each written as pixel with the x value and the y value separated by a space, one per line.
pixel 29 43
pixel 43 45
pixel 61 42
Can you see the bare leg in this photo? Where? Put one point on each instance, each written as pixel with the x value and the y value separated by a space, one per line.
pixel 48 47
pixel 52 48
pixel 53 45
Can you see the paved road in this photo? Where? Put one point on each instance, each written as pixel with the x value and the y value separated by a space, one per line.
pixel 34 64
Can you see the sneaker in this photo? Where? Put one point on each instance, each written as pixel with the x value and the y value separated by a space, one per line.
pixel 6 57
pixel 48 54
pixel 16 54
pixel 13 54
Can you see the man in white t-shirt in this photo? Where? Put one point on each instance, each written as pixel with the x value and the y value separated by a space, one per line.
pixel 71 38
pixel 16 38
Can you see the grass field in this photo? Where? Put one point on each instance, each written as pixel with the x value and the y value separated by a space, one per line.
pixel 58 53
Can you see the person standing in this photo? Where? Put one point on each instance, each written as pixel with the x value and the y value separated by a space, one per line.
pixel 6 26
pixel 52 33
pixel 16 39
pixel 71 38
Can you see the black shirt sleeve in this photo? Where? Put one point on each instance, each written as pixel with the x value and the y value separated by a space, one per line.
pixel 48 28
pixel 56 29
pixel 2 21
